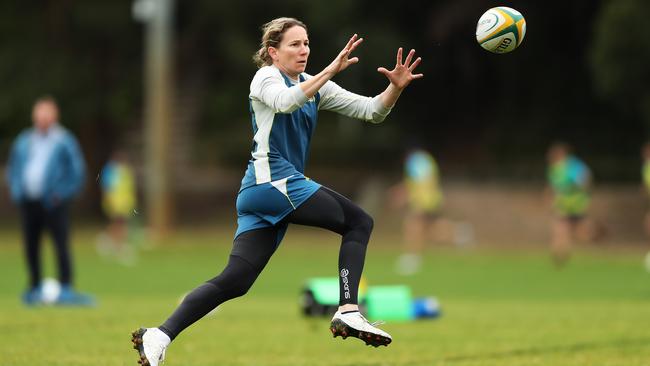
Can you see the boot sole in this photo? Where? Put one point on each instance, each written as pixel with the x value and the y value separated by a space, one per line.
pixel 136 339
pixel 339 328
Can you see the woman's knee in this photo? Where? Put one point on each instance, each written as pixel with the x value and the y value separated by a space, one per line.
pixel 368 222
pixel 240 289
pixel 237 278
pixel 362 222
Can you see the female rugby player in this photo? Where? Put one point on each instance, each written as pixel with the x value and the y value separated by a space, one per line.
pixel 284 104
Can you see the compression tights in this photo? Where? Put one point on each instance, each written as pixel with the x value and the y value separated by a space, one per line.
pixel 253 249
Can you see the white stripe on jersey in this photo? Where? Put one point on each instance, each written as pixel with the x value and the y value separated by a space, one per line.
pixel 264 120
pixel 281 185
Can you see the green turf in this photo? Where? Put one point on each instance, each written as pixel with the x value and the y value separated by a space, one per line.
pixel 499 308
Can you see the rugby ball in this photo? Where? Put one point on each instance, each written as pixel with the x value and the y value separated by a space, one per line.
pixel 501 29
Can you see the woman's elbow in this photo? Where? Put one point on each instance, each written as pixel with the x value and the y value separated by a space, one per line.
pixel 286 108
pixel 285 105
pixel 377 118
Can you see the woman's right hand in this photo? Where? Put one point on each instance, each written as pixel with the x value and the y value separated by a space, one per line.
pixel 343 60
pixel 340 63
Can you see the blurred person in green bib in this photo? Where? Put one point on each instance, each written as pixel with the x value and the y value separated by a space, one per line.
pixel 569 180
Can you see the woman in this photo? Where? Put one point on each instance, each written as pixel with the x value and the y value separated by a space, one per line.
pixel 284 102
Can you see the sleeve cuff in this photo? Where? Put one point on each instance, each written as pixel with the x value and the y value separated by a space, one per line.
pixel 379 107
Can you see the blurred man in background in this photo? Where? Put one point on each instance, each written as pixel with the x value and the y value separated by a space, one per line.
pixel 569 179
pixel 45 171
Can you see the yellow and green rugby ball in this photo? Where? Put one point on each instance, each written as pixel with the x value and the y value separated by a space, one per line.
pixel 501 29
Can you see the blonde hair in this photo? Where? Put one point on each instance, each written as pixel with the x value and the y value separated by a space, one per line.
pixel 272 33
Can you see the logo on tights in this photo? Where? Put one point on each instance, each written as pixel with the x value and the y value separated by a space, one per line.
pixel 346 286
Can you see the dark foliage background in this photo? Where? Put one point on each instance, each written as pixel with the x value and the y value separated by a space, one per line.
pixel 580 76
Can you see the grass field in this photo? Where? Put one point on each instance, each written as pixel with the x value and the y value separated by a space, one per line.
pixel 499 308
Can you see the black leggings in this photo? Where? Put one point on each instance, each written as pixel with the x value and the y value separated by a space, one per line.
pixel 36 218
pixel 253 249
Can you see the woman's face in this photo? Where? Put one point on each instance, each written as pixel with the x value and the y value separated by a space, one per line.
pixel 292 53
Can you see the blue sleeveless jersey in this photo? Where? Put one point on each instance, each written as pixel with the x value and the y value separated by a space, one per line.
pixel 285 145
pixel 284 121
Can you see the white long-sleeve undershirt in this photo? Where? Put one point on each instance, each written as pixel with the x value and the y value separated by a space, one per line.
pixel 269 88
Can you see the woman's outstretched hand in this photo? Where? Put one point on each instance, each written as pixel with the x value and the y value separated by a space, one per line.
pixel 343 60
pixel 402 74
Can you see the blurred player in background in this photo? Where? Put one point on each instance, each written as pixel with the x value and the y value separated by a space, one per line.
pixel 569 180
pixel 284 104
pixel 117 183
pixel 45 172
pixel 422 196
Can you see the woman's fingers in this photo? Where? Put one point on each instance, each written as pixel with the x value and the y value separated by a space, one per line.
pixel 351 42
pixel 349 47
pixel 399 57
pixel 409 57
pixel 355 44
pixel 415 63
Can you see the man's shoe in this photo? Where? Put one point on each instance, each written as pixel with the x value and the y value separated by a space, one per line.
pixel 70 297
pixel 33 296
pixel 151 344
pixel 353 324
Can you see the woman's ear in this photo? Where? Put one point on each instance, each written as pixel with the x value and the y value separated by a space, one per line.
pixel 273 52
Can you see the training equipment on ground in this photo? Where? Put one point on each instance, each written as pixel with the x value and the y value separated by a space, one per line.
pixel 320 297
pixel 501 29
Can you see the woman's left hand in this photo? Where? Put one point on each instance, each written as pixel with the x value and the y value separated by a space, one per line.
pixel 402 74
